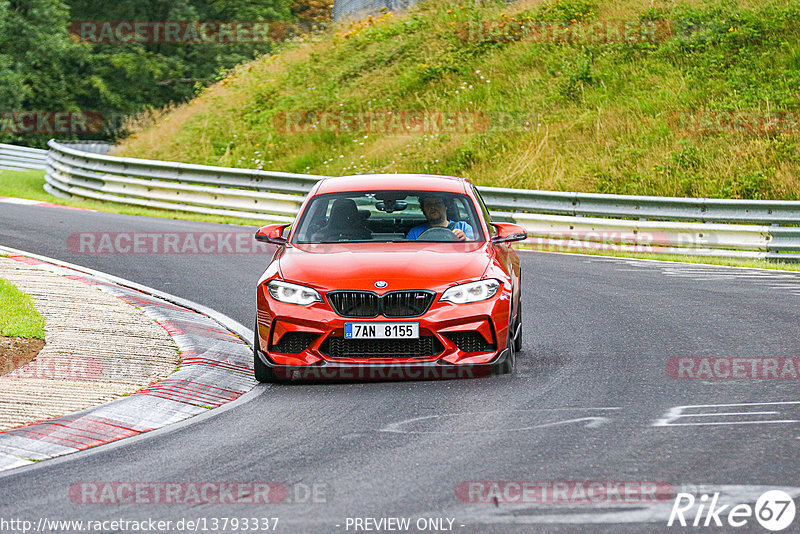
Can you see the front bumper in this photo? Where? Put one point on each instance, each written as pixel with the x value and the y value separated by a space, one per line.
pixel 463 340
pixel 336 371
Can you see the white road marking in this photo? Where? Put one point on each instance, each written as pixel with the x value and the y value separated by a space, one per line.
pixel 591 421
pixel 680 412
pixel 786 281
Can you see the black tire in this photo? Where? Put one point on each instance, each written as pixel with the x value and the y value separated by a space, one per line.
pixel 507 366
pixel 262 371
pixel 518 322
pixel 518 329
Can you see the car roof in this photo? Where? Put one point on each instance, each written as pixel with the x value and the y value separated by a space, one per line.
pixel 400 182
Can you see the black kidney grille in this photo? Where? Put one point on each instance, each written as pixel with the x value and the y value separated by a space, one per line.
pixel 339 347
pixel 391 304
pixel 294 342
pixel 406 303
pixel 470 341
pixel 354 303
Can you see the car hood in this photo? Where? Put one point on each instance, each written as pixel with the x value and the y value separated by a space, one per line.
pixel 402 265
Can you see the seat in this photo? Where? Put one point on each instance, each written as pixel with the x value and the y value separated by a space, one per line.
pixel 345 222
pixel 453 213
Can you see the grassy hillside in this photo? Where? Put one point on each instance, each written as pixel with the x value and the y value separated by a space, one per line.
pixel 583 115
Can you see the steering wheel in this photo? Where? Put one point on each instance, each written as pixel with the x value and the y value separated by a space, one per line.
pixel 437 233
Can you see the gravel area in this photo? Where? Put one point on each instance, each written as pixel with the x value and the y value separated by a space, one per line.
pixel 98 348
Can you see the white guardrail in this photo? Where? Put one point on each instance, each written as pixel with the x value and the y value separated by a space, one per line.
pixel 561 220
pixel 19 158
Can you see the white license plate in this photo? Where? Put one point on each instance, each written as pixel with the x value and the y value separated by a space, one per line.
pixel 381 330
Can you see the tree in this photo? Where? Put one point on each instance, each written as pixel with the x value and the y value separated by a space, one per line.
pixel 44 68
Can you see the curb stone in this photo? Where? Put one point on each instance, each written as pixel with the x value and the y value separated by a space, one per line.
pixel 215 368
pixel 98 349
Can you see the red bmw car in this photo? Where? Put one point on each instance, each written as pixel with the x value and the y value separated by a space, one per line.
pixel 395 276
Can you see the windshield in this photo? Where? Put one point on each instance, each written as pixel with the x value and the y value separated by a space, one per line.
pixel 389 216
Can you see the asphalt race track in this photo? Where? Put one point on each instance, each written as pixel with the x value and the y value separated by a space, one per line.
pixel 592 400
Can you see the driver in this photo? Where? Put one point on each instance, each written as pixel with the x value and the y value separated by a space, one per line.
pixel 435 210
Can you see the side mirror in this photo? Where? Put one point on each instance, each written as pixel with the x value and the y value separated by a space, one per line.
pixel 272 233
pixel 507 232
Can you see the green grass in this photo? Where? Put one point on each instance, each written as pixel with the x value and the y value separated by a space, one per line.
pixel 29 184
pixel 602 114
pixel 18 315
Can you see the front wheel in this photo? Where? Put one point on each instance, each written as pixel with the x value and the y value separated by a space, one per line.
pixel 518 322
pixel 262 371
pixel 507 365
pixel 518 330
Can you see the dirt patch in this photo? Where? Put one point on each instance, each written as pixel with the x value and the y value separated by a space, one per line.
pixel 17 351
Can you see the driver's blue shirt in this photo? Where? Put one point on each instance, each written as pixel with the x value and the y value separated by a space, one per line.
pixel 460 225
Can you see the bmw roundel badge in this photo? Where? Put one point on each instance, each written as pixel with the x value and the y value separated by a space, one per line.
pixel 380 284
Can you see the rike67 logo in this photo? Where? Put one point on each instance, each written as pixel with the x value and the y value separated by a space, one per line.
pixel 774 510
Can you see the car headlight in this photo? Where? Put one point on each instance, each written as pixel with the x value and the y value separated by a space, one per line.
pixel 293 293
pixel 471 292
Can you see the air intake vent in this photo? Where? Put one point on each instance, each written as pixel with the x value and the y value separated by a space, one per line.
pixel 294 342
pixel 338 347
pixel 470 341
